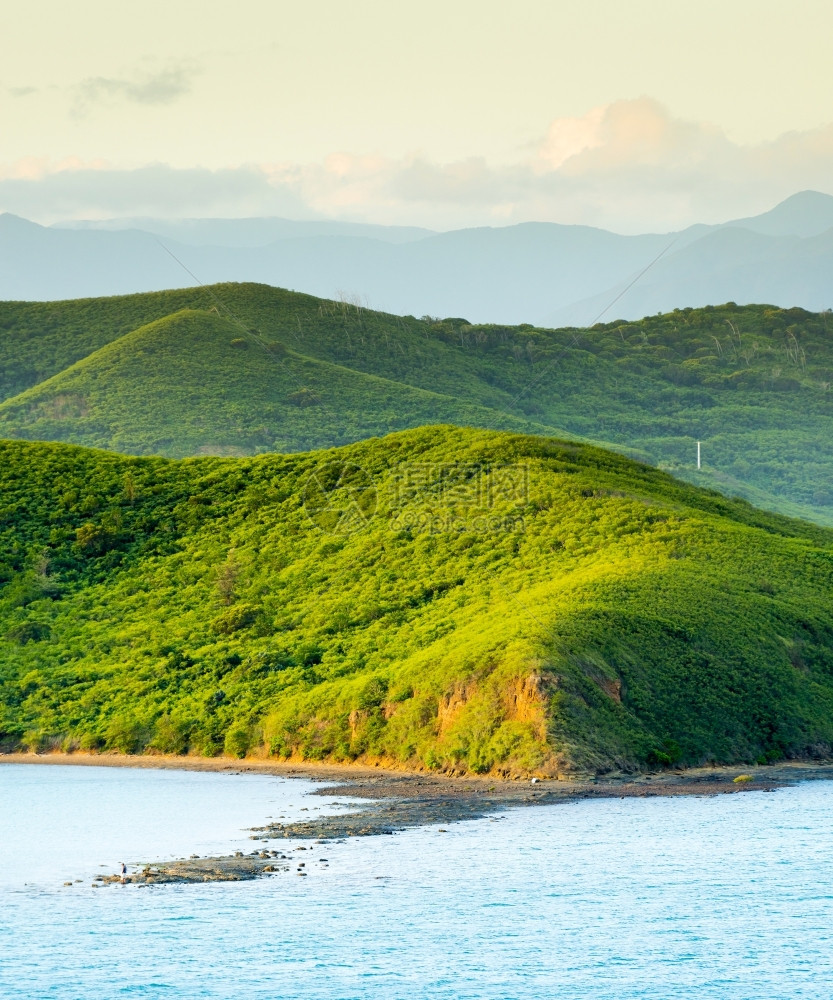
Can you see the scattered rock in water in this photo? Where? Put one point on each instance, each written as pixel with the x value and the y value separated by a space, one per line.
pixel 398 802
pixel 234 868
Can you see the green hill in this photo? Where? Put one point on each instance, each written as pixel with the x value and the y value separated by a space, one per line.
pixel 752 383
pixel 190 384
pixel 40 339
pixel 442 598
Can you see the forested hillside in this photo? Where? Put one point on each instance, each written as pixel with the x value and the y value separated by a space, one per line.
pixel 441 598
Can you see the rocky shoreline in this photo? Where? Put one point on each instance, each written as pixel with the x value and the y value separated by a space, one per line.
pixel 397 801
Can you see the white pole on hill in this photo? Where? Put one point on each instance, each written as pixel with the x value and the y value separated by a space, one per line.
pixel 698 454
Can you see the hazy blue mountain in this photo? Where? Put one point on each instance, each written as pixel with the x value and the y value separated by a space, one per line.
pixel 39 263
pixel 808 213
pixel 253 232
pixel 540 273
pixel 726 265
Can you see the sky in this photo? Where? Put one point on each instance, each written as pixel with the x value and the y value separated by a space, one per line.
pixel 633 115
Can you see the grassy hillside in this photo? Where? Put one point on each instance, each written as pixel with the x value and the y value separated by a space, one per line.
pixel 190 384
pixel 753 383
pixel 40 339
pixel 442 598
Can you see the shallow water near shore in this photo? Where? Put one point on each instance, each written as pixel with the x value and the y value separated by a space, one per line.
pixel 724 897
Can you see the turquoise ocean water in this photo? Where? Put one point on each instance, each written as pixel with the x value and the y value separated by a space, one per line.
pixel 729 897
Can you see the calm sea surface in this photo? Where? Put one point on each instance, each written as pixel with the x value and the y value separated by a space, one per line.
pixel 730 897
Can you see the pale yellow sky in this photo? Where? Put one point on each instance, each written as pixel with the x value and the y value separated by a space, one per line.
pixel 285 85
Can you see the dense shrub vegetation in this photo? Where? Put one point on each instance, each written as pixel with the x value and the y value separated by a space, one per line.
pixel 246 369
pixel 443 598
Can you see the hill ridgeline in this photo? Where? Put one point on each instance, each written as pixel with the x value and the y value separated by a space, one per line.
pixel 248 369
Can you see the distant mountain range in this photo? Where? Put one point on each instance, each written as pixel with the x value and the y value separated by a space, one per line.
pixel 541 273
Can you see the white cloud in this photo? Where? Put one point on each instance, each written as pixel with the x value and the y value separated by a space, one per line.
pixel 567 137
pixel 628 166
pixel 48 193
pixel 159 87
